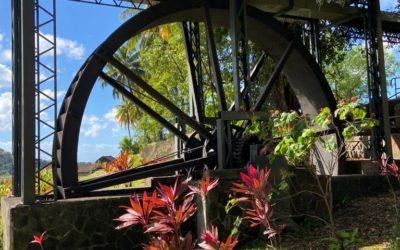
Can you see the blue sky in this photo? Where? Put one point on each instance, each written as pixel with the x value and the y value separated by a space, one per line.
pixel 80 29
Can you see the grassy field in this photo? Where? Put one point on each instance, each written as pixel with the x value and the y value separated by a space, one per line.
pixel 101 172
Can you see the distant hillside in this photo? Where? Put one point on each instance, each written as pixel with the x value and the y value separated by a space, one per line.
pixel 5 162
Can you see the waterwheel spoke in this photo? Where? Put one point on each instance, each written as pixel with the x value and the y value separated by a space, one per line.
pixel 253 75
pixel 155 94
pixel 267 89
pixel 143 106
pixel 274 76
pixel 213 60
pixel 257 68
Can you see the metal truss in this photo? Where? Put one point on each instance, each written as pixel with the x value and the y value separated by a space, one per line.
pixel 45 87
pixel 128 4
pixel 191 33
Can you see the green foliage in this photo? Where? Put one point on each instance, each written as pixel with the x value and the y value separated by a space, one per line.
pixel 299 133
pixel 340 2
pixel 346 70
pixel 297 136
pixel 5 187
pixel 46 177
pixel 344 239
pixel 395 237
pixel 128 144
pixel 5 162
pixel 234 202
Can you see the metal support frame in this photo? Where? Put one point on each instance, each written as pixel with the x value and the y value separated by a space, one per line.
pixel 143 106
pixel 16 96
pixel 274 76
pixel 45 83
pixel 106 57
pixel 378 103
pixel 27 139
pixel 191 33
pixel 237 9
pixel 163 168
pixel 213 59
pixel 127 4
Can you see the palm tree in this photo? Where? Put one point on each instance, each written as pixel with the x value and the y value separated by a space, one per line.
pixel 129 56
pixel 125 112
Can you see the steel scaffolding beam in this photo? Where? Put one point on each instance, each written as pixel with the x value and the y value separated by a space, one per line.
pixel 45 84
pixel 16 97
pixel 23 100
pixel 127 4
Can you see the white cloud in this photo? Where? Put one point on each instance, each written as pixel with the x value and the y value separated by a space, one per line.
pixel 6 145
pixel 5 56
pixel 70 48
pixel 92 126
pixel 1 37
pixel 49 92
pixel 110 117
pixel 5 76
pixel 5 111
pixel 388 4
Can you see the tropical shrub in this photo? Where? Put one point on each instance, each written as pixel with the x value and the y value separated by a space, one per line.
pixel 162 215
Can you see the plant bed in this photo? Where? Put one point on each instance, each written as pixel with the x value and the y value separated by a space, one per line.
pixel 373 216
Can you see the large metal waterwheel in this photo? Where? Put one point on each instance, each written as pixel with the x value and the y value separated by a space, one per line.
pixel 290 57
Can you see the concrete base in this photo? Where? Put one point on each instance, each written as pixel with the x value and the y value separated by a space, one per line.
pixel 87 223
pixel 70 224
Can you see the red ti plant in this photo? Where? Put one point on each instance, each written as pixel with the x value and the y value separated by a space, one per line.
pixel 162 216
pixel 205 186
pixel 39 240
pixel 256 190
pixel 121 163
pixel 210 240
pixel 138 213
pixel 390 168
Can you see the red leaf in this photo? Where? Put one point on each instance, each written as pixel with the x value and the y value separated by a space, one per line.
pixel 39 239
pixel 138 212
pixel 205 185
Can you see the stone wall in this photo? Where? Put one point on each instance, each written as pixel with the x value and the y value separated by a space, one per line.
pixel 70 224
pixel 87 223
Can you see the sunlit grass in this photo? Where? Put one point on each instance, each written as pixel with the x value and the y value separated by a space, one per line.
pixel 101 172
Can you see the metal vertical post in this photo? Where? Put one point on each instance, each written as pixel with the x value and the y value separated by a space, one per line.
pixel 382 82
pixel 237 9
pixel 377 82
pixel 16 97
pixel 28 102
